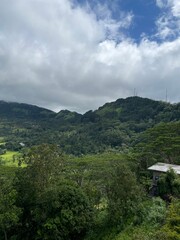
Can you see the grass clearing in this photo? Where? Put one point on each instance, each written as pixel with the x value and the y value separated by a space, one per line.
pixel 8 158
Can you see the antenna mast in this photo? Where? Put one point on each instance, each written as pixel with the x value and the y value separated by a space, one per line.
pixel 135 92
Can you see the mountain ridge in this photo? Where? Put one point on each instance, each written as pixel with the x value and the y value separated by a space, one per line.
pixel 114 125
pixel 65 111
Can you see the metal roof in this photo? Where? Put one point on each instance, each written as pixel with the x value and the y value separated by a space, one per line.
pixel 164 167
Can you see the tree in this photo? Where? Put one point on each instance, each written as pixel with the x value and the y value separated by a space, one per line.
pixel 171 228
pixel 63 213
pixel 123 194
pixel 9 212
pixel 44 167
pixel 160 143
pixel 52 209
pixel 169 185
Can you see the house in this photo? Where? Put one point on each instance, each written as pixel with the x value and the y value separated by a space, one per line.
pixel 160 168
pixel 22 144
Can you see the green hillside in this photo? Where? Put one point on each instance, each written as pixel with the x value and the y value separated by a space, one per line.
pixel 115 125
pixel 11 110
pixel 73 176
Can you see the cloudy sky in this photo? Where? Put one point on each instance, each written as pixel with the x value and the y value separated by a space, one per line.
pixel 79 54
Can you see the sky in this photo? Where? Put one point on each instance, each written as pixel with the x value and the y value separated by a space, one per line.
pixel 80 54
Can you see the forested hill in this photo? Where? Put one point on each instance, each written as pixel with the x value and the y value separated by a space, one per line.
pixel 113 126
pixel 138 109
pixel 130 109
pixel 12 110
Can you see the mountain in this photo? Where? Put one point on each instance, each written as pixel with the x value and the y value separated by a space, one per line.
pixel 139 109
pixel 114 125
pixel 12 110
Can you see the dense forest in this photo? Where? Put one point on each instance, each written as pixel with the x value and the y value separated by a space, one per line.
pixel 115 125
pixel 85 176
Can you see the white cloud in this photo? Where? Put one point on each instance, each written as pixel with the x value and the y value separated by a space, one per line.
pixel 168 23
pixel 162 3
pixel 112 27
pixel 175 6
pixel 58 55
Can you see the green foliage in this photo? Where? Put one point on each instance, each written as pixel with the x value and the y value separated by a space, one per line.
pixel 160 143
pixel 115 125
pixel 171 229
pixel 44 167
pixel 124 195
pixel 9 212
pixel 152 212
pixel 89 197
pixel 67 214
pixel 8 158
pixel 52 209
pixel 169 184
pixel 56 193
pixel 7 172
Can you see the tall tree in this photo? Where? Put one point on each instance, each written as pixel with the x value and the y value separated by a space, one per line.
pixel 159 144
pixel 9 212
pixel 52 209
pixel 123 194
pixel 169 185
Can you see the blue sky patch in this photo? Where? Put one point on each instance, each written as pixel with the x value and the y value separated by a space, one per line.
pixel 145 14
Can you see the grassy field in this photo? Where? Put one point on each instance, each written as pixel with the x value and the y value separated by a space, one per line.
pixel 8 158
pixel 8 167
